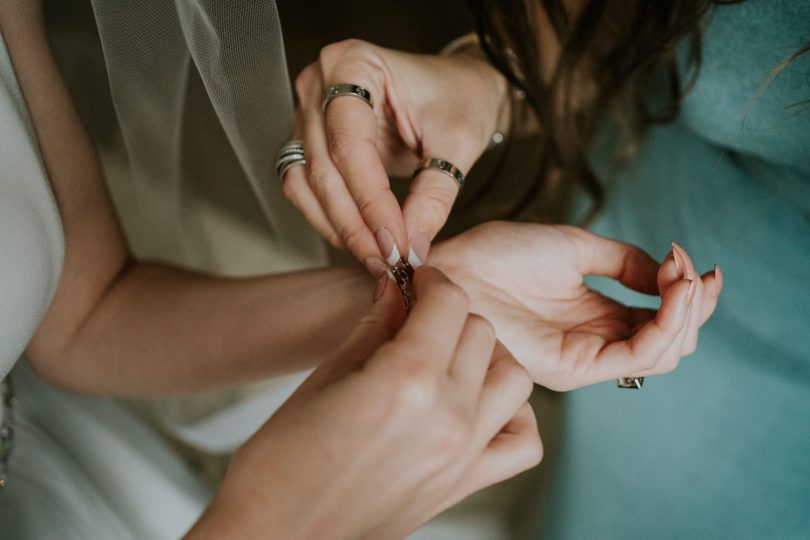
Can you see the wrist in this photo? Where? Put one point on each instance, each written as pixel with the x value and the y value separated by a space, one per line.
pixel 469 45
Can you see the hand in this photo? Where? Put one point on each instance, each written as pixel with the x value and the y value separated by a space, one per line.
pixel 528 281
pixel 424 106
pixel 404 421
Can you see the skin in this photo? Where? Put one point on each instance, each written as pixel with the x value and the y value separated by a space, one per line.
pixel 526 279
pixel 439 414
pixel 407 418
pixel 404 420
pixel 123 327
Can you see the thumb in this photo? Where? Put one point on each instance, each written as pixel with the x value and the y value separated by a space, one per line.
pixel 376 327
pixel 434 190
pixel 629 265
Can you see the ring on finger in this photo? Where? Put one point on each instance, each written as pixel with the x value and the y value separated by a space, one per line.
pixel 444 166
pixel 632 383
pixel 346 89
pixel 289 156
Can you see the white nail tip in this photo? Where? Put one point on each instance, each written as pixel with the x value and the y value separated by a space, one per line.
pixel 414 259
pixel 394 257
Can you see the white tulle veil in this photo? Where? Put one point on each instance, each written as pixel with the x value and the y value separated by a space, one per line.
pixel 211 76
pixel 156 53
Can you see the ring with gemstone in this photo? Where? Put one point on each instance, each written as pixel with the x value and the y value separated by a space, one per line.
pixel 632 383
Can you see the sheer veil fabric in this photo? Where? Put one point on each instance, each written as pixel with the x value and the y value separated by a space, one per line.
pixel 152 51
pixel 222 62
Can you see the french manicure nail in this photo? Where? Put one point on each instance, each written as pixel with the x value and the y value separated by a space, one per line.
pixel 379 290
pixel 718 277
pixel 680 264
pixel 692 290
pixel 420 245
pixel 387 246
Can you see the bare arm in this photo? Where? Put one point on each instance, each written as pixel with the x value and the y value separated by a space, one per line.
pixel 122 327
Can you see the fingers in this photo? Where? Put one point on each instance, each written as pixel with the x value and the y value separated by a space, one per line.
pixel 346 225
pixel 668 274
pixel 351 130
pixel 516 448
pixel 437 318
pixel 378 326
pixel 506 389
pixel 628 264
pixel 345 170
pixel 671 357
pixel 647 346
pixel 427 207
pixel 676 267
pixel 433 192
pixel 473 354
pixel 713 285
pixel 296 189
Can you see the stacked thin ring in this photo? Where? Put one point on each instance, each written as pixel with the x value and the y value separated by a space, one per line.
pixel 444 166
pixel 345 89
pixel 290 155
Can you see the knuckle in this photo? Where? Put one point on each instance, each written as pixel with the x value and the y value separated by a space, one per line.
pixel 690 346
pixel 304 80
pixel 415 387
pixel 342 146
pixel 534 453
pixel 454 295
pixel 334 240
pixel 333 52
pixel 480 324
pixel 435 206
pixel 289 190
pixel 350 235
pixel 318 176
pixel 452 435
pixel 367 200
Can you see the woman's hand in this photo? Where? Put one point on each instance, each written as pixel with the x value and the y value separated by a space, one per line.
pixel 528 281
pixel 423 106
pixel 404 421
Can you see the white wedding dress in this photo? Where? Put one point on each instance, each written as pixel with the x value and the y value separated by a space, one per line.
pixel 79 467
pixel 88 468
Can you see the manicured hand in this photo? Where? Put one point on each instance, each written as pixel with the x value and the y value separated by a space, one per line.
pixel 423 106
pixel 405 420
pixel 527 279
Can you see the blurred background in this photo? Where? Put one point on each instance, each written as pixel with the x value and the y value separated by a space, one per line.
pixel 230 235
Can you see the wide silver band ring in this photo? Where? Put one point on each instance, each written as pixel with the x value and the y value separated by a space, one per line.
pixel 351 90
pixel 444 166
pixel 290 155
pixel 631 383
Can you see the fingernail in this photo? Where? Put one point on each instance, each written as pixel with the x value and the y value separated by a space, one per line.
pixel 387 245
pixel 420 246
pixel 376 267
pixel 692 290
pixel 680 264
pixel 379 290
pixel 718 277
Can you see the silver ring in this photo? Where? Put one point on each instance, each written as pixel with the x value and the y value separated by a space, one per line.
pixel 632 383
pixel 289 156
pixel 444 166
pixel 351 90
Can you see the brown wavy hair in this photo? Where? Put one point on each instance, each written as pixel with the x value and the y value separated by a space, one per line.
pixel 604 56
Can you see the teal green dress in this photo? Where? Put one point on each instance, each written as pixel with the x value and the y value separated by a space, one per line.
pixel 721 447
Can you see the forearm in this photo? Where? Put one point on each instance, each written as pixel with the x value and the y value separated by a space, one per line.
pixel 159 330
